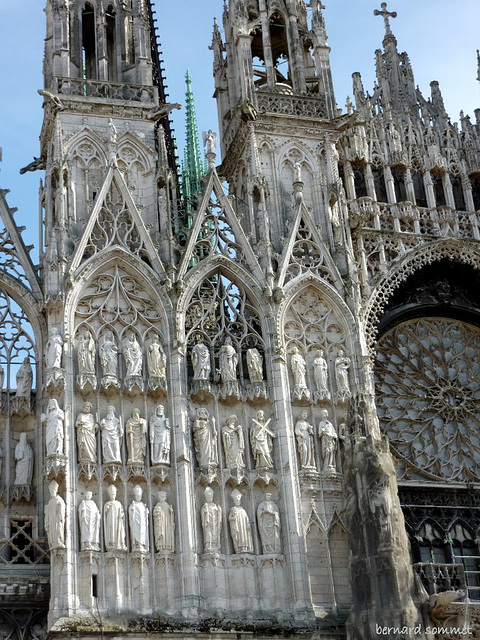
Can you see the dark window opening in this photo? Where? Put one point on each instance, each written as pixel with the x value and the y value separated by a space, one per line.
pixel 89 49
pixel 398 174
pixel 438 189
pixel 111 44
pixel 129 42
pixel 458 196
pixel 379 181
pixel 359 180
pixel 341 175
pixel 95 586
pixel 419 189
pixel 279 45
pixel 258 59
pixel 21 533
pixel 475 182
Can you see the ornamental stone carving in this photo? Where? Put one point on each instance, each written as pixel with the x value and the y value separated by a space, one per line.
pixel 304 434
pixel 87 428
pixel 261 441
pixel 55 511
pixel 138 519
pixel 320 376
pixel 342 365
pixel 89 520
pixel 268 518
pixel 54 350
pixel 201 360
pixel 329 439
pixel 211 517
pixel 160 437
pixel 114 522
pixel 205 439
pixel 136 433
pixel 112 434
pixel 23 462
pixel 255 366
pixel 86 351
pixel 133 356
pixel 164 525
pixel 54 435
pixel 156 364
pixel 108 352
pixel 240 529
pixel 299 372
pixel 228 363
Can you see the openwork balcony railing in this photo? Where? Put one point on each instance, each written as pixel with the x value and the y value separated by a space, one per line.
pixel 441 577
pixel 105 89
pixel 291 105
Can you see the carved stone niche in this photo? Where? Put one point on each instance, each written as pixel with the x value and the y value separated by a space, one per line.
pixel 54 380
pixel 134 385
pixel 257 393
pixel 87 470
pixel 157 386
pixel 112 471
pixel 229 392
pixel 201 391
pixel 55 467
pixel 21 406
pixel 136 470
pixel 160 472
pixel 21 492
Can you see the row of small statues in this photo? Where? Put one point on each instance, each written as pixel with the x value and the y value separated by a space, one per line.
pixel 268 517
pixel 298 367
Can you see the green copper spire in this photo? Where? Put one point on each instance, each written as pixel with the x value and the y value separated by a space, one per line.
pixel 192 169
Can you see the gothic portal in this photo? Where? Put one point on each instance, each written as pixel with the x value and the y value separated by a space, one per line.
pixel 255 412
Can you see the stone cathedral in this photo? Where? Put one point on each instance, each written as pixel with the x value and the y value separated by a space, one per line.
pixel 241 398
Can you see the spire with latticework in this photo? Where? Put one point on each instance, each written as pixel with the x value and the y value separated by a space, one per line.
pixel 192 160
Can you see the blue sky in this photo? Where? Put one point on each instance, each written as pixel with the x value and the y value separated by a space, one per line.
pixel 441 37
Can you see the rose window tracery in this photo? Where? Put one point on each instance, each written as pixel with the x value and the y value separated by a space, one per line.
pixel 428 396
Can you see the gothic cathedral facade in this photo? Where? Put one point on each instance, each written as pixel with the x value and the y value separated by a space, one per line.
pixel 254 411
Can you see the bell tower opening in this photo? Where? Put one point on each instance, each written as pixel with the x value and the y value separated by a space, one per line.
pixel 280 52
pixel 110 19
pixel 89 47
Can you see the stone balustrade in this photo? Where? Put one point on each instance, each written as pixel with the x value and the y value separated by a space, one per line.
pixel 104 89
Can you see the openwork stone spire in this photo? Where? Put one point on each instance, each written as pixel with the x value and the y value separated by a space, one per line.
pixel 192 163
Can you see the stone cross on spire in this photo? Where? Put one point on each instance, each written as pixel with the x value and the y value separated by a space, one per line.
pixel 386 15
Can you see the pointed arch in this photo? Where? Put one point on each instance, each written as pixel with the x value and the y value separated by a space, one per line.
pixel 86 144
pixel 132 149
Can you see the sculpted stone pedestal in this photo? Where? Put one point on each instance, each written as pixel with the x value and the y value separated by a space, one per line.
pixel 89 579
pixel 115 580
pixel 140 581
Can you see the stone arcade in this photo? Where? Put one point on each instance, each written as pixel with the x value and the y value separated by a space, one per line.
pixel 197 392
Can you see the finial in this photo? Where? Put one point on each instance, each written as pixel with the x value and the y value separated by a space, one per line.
pixel 386 15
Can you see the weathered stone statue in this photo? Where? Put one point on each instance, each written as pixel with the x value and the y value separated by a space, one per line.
pixel 329 440
pixel 89 518
pixel 114 522
pixel 228 362
pixel 53 419
pixel 320 376
pixel 233 443
pixel 240 529
pixel 205 438
pixel 24 380
pixel 261 441
pixel 136 431
pixel 342 365
pixel 55 511
pixel 160 436
pixel 304 433
pixel 138 519
pixel 23 462
pixel 86 360
pixel 211 516
pixel 268 518
pixel 112 434
pixel 108 353
pixel 133 355
pixel 299 371
pixel 86 435
pixel 254 365
pixel 156 359
pixel 164 525
pixel 201 360
pixel 54 350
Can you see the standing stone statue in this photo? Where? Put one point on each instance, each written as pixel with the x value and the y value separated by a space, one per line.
pixel 136 431
pixel 211 516
pixel 53 418
pixel 304 434
pixel 233 443
pixel 89 518
pixel 114 522
pixel 138 519
pixel 228 362
pixel 23 462
pixel 86 435
pixel 299 371
pixel 108 353
pixel 240 525
pixel 320 375
pixel 201 360
pixel 268 518
pixel 164 525
pixel 24 379
pixel 261 440
pixel 156 359
pixel 55 511
pixel 329 439
pixel 160 436
pixel 342 365
pixel 54 350
pixel 132 352
pixel 205 438
pixel 254 365
pixel 86 360
pixel 112 434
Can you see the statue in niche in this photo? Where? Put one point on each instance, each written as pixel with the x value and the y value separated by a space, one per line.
pixel 136 431
pixel 86 360
pixel 160 436
pixel 329 440
pixel 268 518
pixel 108 353
pixel 320 375
pixel 261 440
pixel 255 365
pixel 55 510
pixel 240 529
pixel 53 418
pixel 205 438
pixel 86 427
pixel 233 443
pixel 89 519
pixel 23 462
pixel 54 350
pixel 228 362
pixel 156 359
pixel 24 379
pixel 114 522
pixel 211 517
pixel 112 434
pixel 201 360
pixel 164 525
pixel 299 371
pixel 132 352
pixel 304 433
pixel 138 519
pixel 342 365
